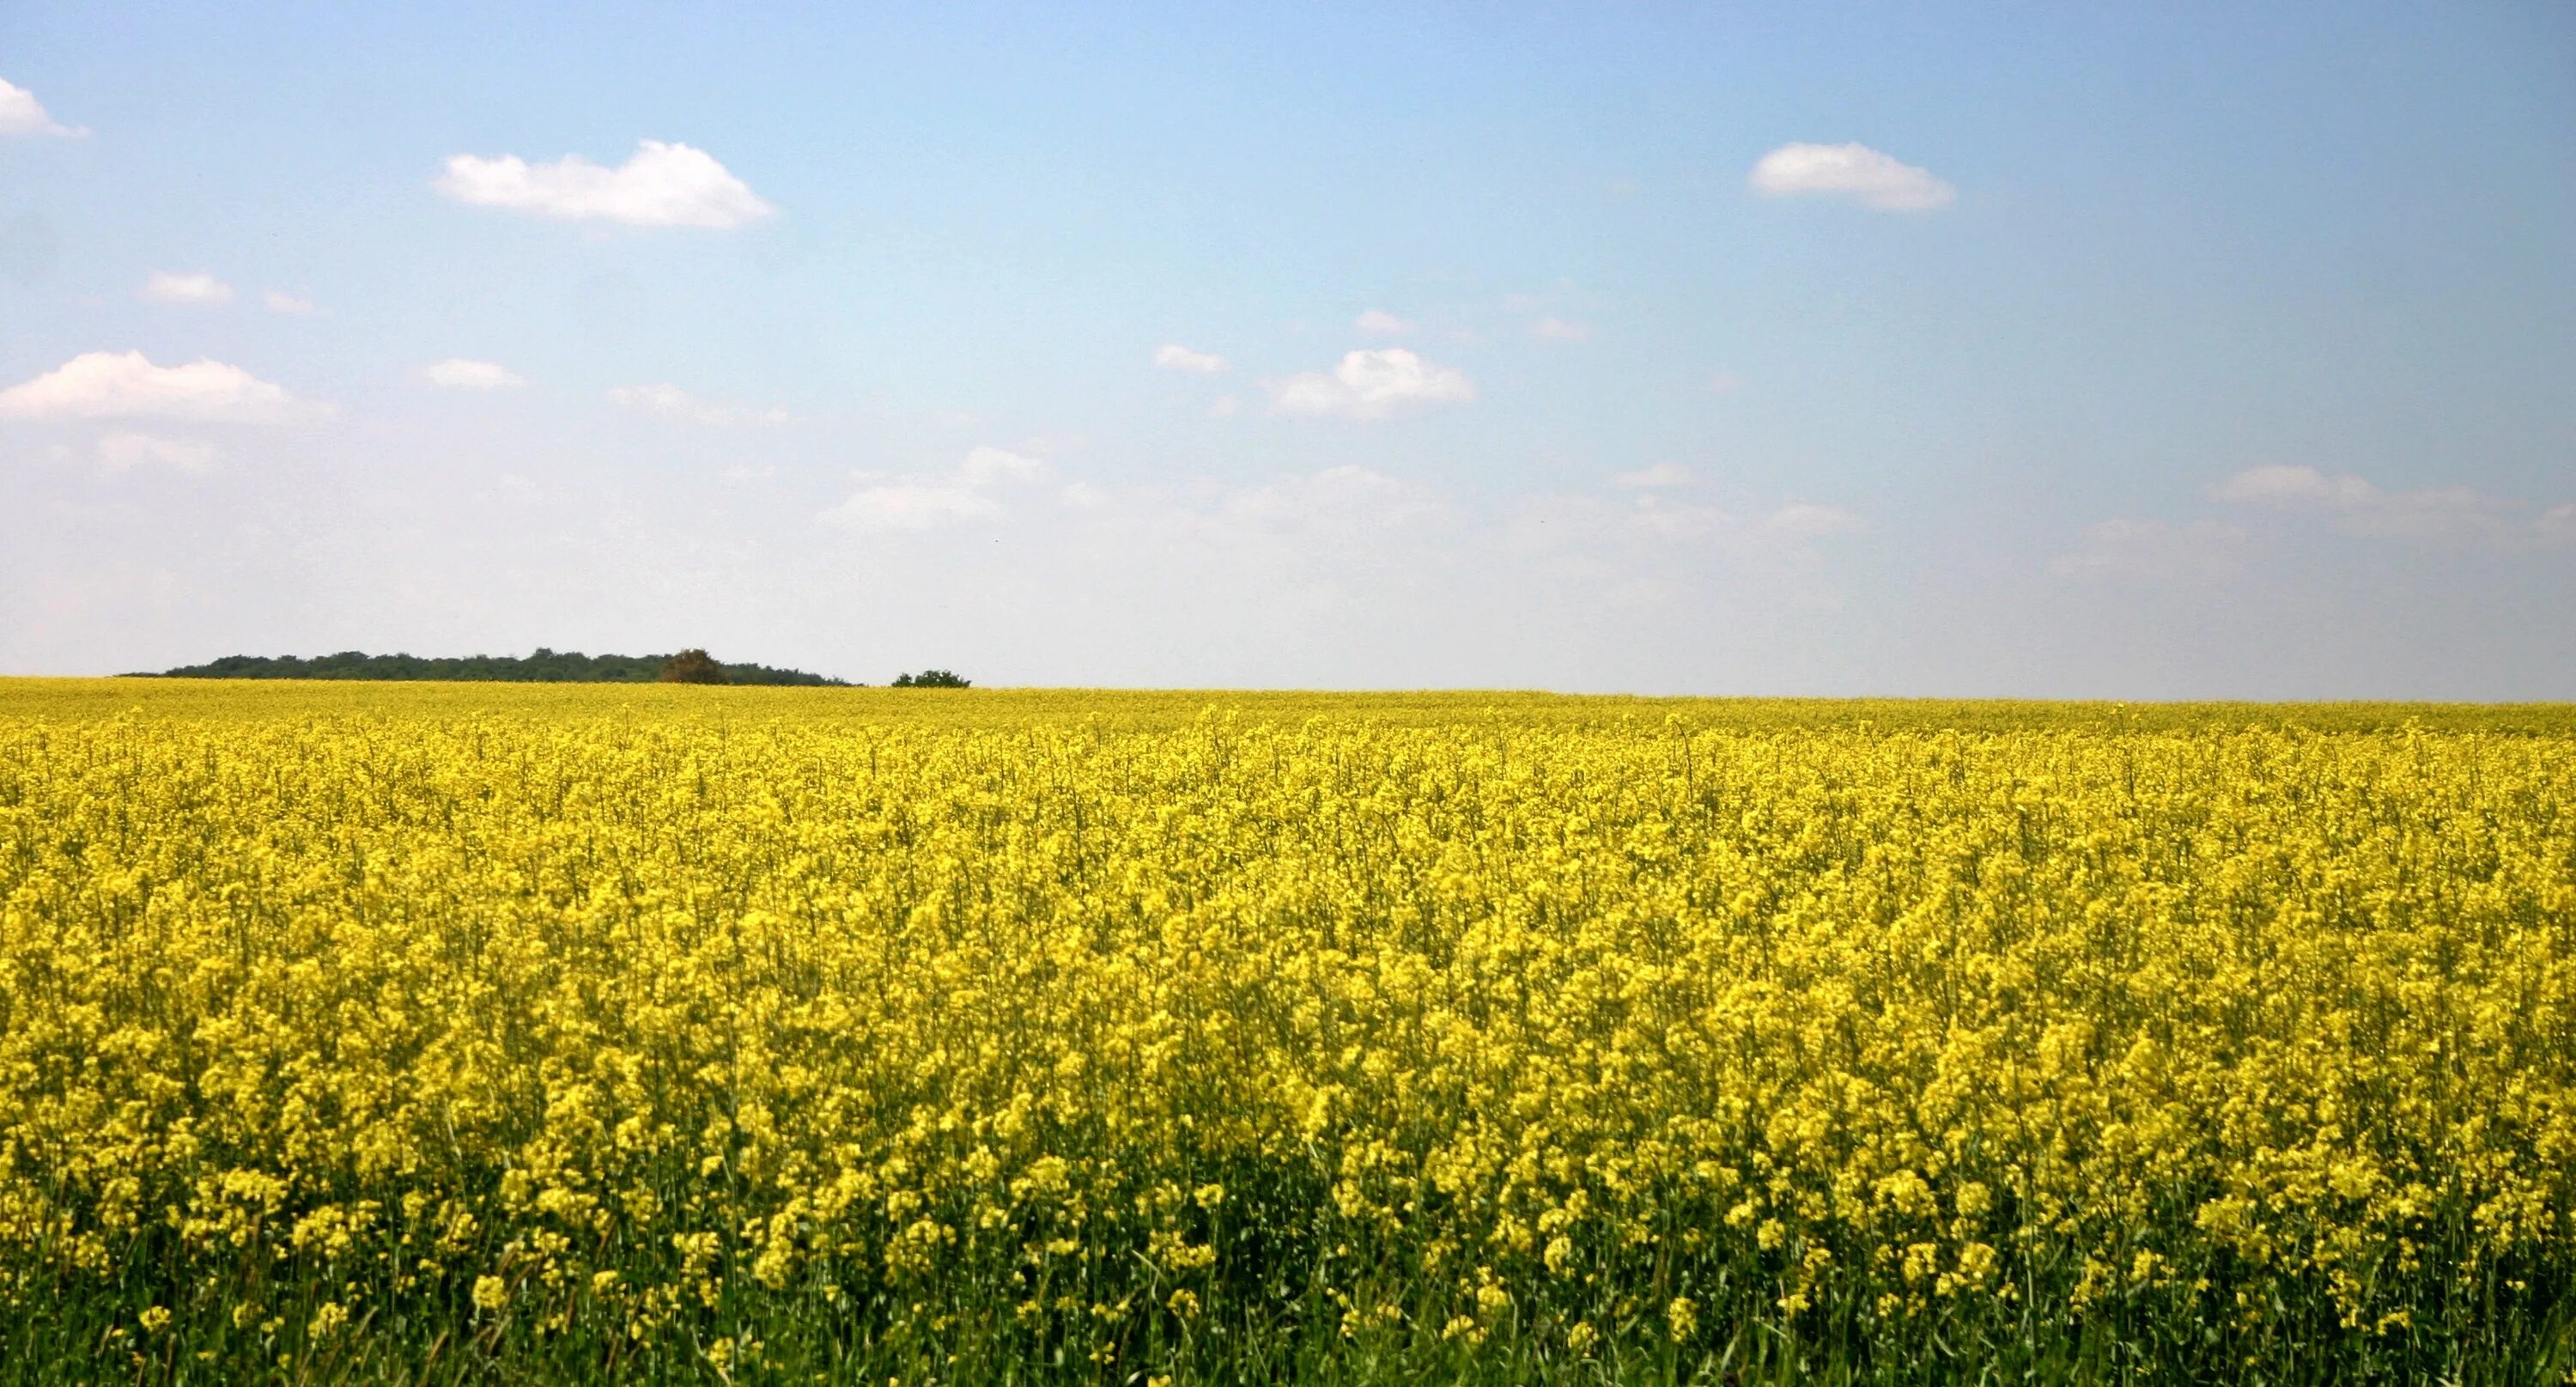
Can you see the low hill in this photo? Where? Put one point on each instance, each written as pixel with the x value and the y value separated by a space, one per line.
pixel 543 667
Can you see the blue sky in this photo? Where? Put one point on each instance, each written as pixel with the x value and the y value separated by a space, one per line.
pixel 2201 352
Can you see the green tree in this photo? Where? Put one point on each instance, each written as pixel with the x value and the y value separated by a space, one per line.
pixel 691 667
pixel 931 679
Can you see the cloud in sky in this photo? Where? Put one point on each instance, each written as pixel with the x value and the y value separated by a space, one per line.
pixel 167 286
pixel 919 505
pixel 936 501
pixel 671 402
pixel 1377 322
pixel 2202 551
pixel 985 466
pixel 1658 477
pixel 1651 550
pixel 2210 550
pixel 22 114
pixel 2358 506
pixel 458 373
pixel 114 385
pixel 659 185
pixel 279 301
pixel 1174 357
pixel 1554 329
pixel 120 451
pixel 1341 498
pixel 1371 384
pixel 1855 171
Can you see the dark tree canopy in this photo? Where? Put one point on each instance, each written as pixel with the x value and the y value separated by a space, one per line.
pixel 931 679
pixel 544 667
pixel 691 667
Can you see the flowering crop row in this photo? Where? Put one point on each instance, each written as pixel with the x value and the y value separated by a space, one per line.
pixel 359 1032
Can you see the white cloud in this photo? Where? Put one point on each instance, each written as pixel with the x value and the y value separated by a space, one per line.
pixel 659 185
pixel 2210 550
pixel 458 373
pixel 167 287
pixel 1342 498
pixel 1802 520
pixel 2202 551
pixel 2358 506
pixel 22 114
pixel 1850 170
pixel 1560 330
pixel 1657 477
pixel 1377 322
pixel 279 301
pixel 985 466
pixel 911 506
pixel 2292 486
pixel 1370 385
pixel 936 501
pixel 1174 357
pixel 124 450
pixel 671 402
pixel 110 385
pixel 1652 550
pixel 1225 407
pixel 1724 383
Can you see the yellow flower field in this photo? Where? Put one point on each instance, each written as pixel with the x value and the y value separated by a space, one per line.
pixel 508 1033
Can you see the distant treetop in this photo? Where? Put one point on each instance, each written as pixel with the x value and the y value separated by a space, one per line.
pixel 543 667
pixel 931 679
pixel 692 667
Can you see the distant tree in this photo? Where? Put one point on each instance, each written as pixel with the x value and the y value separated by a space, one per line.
pixel 931 679
pixel 691 667
pixel 546 666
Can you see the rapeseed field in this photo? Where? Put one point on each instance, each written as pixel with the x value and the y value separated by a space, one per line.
pixel 502 1034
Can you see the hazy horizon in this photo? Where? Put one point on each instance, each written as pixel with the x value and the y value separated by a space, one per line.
pixel 2198 354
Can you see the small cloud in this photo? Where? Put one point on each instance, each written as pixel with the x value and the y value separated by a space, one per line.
pixel 671 402
pixel 2557 525
pixel 22 114
pixel 1725 383
pixel 911 506
pixel 111 385
pixel 1225 406
pixel 1855 171
pixel 279 301
pixel 659 185
pixel 167 287
pixel 1173 357
pixel 2151 550
pixel 2293 486
pixel 1799 520
pixel 1337 498
pixel 1783 539
pixel 2360 507
pixel 1661 476
pixel 1377 322
pixel 749 471
pixel 457 373
pixel 985 466
pixel 1371 385
pixel 932 502
pixel 1560 330
pixel 120 451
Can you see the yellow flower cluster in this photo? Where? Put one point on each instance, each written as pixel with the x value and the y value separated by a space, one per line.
pixel 1126 1033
